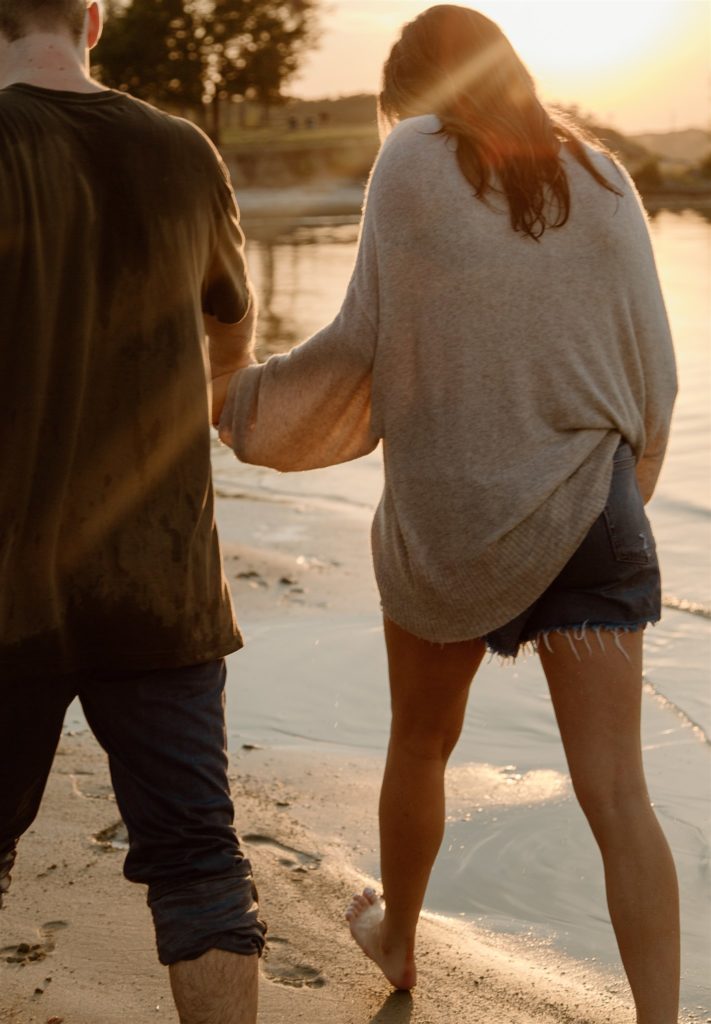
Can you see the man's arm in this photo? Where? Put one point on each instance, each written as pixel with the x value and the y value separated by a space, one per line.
pixel 230 348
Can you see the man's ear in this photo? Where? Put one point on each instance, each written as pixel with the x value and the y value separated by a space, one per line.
pixel 94 26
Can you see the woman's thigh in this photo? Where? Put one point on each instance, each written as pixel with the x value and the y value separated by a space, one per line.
pixel 429 686
pixel 596 690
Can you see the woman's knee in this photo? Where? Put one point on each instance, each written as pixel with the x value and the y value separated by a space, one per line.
pixel 612 804
pixel 427 740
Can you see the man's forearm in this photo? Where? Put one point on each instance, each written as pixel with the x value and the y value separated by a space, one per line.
pixel 231 346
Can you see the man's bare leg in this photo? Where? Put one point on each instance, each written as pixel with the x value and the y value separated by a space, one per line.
pixel 217 988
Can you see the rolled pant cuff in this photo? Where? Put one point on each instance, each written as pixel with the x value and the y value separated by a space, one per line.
pixel 7 860
pixel 213 913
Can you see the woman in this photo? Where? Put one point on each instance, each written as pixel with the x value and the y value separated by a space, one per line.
pixel 504 335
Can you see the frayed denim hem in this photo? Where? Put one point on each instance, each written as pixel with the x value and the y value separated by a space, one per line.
pixel 575 633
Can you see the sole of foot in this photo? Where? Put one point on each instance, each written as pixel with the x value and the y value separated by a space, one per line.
pixel 365 915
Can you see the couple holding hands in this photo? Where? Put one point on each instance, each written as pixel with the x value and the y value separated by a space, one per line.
pixel 503 336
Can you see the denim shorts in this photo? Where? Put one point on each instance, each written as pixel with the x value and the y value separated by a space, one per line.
pixel 611 582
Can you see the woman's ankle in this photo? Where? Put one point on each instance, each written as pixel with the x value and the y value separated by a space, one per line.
pixel 396 937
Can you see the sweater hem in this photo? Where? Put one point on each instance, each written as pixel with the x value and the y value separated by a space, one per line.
pixel 482 612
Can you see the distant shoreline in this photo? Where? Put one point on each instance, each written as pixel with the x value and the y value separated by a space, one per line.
pixel 677 199
pixel 342 198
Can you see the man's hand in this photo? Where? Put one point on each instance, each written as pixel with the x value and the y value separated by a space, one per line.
pixel 220 384
pixel 231 348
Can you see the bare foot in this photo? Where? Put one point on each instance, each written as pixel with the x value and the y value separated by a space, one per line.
pixel 365 917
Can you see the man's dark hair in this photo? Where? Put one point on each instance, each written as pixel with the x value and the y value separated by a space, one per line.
pixel 18 17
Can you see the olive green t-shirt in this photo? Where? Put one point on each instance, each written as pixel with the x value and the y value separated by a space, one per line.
pixel 118 229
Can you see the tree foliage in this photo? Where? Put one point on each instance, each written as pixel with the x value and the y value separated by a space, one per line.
pixel 704 167
pixel 188 53
pixel 150 48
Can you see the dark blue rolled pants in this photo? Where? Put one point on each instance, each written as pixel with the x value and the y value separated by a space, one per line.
pixel 164 733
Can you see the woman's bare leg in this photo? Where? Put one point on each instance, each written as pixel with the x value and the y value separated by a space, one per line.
pixel 429 685
pixel 597 701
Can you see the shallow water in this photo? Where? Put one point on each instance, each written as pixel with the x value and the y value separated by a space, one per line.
pixel 519 868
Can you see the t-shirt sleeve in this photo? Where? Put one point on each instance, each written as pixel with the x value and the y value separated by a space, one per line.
pixel 226 291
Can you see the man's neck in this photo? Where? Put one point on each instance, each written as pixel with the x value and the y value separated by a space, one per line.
pixel 48 60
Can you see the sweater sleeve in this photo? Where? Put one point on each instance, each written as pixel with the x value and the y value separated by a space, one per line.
pixel 656 351
pixel 660 382
pixel 311 407
pixel 655 347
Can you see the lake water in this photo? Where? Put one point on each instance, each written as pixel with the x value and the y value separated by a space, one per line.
pixel 532 868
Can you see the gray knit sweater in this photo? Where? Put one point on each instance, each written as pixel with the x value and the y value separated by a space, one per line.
pixel 499 373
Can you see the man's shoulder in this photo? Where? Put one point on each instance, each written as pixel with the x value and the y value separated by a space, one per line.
pixel 181 128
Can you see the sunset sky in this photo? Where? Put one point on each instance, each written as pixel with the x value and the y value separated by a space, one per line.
pixel 640 65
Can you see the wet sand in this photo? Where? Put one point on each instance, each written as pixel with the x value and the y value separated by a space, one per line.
pixel 77 943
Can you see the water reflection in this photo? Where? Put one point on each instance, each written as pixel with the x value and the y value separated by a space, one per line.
pixel 300 270
pixel 277 330
pixel 301 267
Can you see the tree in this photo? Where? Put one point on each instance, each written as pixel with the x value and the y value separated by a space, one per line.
pixel 258 46
pixel 188 53
pixel 149 48
pixel 704 167
pixel 648 176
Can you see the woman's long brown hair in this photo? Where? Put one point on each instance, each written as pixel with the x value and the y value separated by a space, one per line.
pixel 454 62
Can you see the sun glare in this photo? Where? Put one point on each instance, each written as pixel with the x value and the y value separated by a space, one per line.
pixel 581 38
pixel 644 62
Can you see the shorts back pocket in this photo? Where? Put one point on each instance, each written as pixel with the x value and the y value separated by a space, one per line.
pixel 628 528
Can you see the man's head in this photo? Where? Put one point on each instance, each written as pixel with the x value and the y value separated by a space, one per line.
pixel 20 17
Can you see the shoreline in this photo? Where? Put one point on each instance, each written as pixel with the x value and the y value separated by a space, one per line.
pixel 77 940
pixel 344 199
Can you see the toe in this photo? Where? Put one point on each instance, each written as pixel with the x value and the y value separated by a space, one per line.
pixel 356 907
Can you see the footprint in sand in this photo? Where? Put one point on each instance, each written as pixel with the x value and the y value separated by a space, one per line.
pixel 88 788
pixel 30 952
pixel 289 857
pixel 281 965
pixel 114 837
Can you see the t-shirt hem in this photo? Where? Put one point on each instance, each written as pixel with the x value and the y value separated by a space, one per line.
pixel 103 660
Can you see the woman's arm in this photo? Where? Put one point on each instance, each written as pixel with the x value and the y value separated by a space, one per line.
pixel 311 407
pixel 659 368
pixel 304 410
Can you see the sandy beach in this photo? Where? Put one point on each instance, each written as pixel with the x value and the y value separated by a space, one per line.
pixel 76 940
pixel 77 943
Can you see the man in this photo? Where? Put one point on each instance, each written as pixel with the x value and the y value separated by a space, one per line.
pixel 118 232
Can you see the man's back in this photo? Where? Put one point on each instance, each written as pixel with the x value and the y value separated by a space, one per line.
pixel 119 252
pixel 117 230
